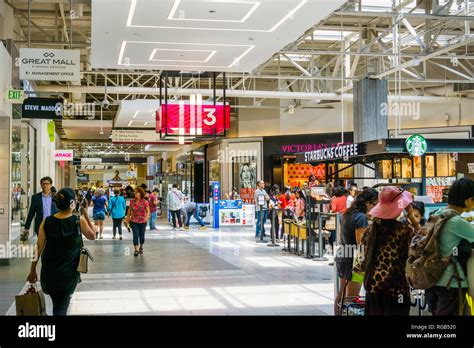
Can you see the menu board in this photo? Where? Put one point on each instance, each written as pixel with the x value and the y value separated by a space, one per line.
pixel 248 214
pixel 230 216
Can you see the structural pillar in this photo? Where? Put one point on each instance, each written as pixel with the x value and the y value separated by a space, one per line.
pixel 370 122
pixel 151 169
pixel 5 158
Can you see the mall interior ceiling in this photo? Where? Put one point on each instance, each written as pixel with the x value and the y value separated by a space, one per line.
pixel 278 56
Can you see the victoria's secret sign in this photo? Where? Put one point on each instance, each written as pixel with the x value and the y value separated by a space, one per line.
pixel 296 148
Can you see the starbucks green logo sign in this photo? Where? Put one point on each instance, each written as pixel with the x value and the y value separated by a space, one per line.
pixel 416 145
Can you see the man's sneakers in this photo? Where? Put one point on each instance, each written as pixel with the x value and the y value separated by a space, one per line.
pixel 186 227
pixel 203 228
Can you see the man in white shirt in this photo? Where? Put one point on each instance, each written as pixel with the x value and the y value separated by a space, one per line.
pixel 174 200
pixel 260 192
pixel 352 193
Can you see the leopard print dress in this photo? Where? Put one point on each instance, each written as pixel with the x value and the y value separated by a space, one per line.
pixel 390 255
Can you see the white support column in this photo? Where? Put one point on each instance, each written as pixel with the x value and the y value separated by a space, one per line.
pixel 151 168
pixel 5 158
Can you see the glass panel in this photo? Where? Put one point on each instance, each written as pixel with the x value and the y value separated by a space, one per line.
pixel 406 168
pixel 22 172
pixel 397 168
pixel 214 171
pixel 430 166
pixel 417 167
pixel 244 177
pixel 442 164
pixel 387 169
pixel 346 173
pixel 451 165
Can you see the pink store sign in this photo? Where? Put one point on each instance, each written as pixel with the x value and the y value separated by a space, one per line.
pixel 296 148
pixel 63 155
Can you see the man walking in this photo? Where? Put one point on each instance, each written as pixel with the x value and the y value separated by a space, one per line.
pixel 153 202
pixel 42 206
pixel 190 209
pixel 261 207
pixel 173 200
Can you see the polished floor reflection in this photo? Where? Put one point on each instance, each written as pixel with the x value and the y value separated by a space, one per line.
pixel 197 272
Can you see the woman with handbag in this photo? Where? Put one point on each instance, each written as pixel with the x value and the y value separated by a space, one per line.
pixel 117 207
pixel 386 252
pixel 354 224
pixel 138 215
pixel 60 255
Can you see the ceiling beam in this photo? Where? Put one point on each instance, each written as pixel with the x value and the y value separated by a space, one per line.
pixel 407 15
pixel 426 57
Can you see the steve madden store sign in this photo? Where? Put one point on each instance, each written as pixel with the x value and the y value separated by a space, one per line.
pixel 49 64
pixel 42 108
pixel 332 153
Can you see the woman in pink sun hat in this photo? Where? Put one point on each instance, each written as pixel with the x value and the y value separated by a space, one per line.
pixel 392 202
pixel 386 251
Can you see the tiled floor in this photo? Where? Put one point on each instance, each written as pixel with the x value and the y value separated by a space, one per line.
pixel 200 272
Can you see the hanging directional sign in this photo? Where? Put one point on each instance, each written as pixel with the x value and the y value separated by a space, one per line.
pixel 42 108
pixel 50 64
pixel 189 119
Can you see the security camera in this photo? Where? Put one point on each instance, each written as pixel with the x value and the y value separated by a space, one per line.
pixel 105 104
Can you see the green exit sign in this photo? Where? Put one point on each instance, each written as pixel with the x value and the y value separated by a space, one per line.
pixel 15 96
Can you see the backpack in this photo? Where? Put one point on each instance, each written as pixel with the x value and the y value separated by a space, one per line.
pixel 425 265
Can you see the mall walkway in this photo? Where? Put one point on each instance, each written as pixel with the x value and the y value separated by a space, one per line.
pixel 200 272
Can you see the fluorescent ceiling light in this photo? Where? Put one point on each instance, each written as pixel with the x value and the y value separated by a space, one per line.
pixel 153 53
pixel 130 123
pixel 124 43
pixel 242 20
pixel 290 14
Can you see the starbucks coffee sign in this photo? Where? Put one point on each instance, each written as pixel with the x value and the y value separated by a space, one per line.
pixel 416 145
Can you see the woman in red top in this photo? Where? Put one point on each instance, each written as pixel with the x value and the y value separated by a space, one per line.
pixel 138 215
pixel 339 200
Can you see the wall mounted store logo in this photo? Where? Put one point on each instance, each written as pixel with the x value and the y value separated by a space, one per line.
pixel 416 145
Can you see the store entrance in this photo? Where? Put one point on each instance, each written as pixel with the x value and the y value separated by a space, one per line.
pixel 199 182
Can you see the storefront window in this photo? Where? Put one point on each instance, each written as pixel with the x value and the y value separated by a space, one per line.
pixel 214 171
pixel 417 167
pixel 22 171
pixel 244 177
pixel 297 174
pixel 397 168
pixel 346 171
pixel 451 165
pixel 387 169
pixel 430 166
pixel 442 164
pixel 407 168
pixel 445 165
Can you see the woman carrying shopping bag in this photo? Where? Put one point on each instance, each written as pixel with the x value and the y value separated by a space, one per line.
pixel 59 245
